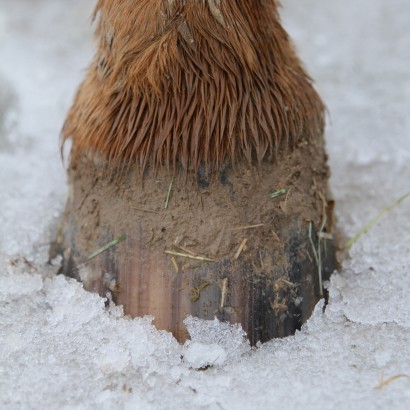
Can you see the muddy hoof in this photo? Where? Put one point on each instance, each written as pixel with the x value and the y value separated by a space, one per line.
pixel 250 247
pixel 177 89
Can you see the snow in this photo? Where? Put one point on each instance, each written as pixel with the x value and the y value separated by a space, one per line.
pixel 61 347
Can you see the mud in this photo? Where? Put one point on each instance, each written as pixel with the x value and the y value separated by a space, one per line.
pixel 185 252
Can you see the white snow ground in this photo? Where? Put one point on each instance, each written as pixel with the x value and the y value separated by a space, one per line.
pixel 60 348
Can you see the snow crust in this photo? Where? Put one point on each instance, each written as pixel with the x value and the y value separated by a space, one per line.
pixel 61 347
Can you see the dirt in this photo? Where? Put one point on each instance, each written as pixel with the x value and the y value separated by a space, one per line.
pixel 208 216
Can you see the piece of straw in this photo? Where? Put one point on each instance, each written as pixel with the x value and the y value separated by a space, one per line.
pixel 174 262
pixel 242 228
pixel 224 291
pixel 384 383
pixel 185 255
pixel 144 210
pixel 240 249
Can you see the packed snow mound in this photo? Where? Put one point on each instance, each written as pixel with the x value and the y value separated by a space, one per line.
pixel 65 348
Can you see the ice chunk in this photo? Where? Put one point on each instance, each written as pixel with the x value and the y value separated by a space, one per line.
pixel 230 339
pixel 69 306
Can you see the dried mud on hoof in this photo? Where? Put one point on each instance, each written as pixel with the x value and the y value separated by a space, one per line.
pixel 250 246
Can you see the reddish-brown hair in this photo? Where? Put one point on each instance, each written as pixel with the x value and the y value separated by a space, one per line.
pixel 192 81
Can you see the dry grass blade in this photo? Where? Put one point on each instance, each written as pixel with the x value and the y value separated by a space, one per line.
pixel 185 255
pixel 373 222
pixel 384 383
pixel 224 291
pixel 196 291
pixel 186 250
pixel 145 210
pixel 106 247
pixel 241 248
pixel 317 255
pixel 169 193
pixel 174 262
pixel 243 228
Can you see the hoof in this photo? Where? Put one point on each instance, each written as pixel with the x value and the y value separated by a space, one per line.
pixel 247 246
pixel 201 85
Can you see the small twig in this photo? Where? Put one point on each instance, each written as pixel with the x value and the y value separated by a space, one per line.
pixel 106 247
pixel 169 193
pixel 240 249
pixel 185 255
pixel 277 193
pixel 363 231
pixel 243 228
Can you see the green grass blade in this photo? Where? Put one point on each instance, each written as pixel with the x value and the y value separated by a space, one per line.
pixel 277 193
pixel 169 193
pixel 373 222
pixel 106 247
